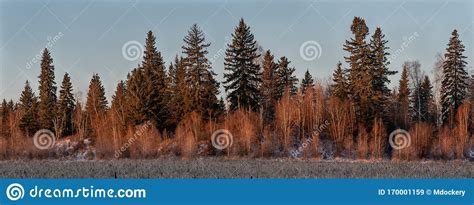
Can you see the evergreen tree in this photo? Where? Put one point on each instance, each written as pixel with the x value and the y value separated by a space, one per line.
pixel 269 88
pixel 179 103
pixel 47 92
pixel 421 100
pixel 243 76
pixel 203 88
pixel 66 106
pixel 360 78
pixel 96 103
pixel 403 99
pixel 136 96
pixel 339 88
pixel 307 82
pixel 119 102
pixel 380 72
pixel 287 78
pixel 28 106
pixel 455 82
pixel 156 95
pixel 5 115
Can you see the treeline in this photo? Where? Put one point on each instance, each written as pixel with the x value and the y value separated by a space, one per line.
pixel 267 109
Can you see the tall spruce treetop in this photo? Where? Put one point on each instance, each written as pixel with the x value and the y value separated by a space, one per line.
pixel 66 105
pixel 360 76
pixel 339 88
pixel 156 90
pixel 269 88
pixel 455 82
pixel 203 88
pixel 47 92
pixel 307 81
pixel 380 71
pixel 28 105
pixel 96 101
pixel 288 79
pixel 243 76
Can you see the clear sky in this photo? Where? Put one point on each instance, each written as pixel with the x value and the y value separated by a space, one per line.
pixel 87 37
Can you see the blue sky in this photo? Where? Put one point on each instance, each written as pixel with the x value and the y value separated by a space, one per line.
pixel 87 37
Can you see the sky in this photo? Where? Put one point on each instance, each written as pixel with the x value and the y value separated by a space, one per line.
pixel 98 36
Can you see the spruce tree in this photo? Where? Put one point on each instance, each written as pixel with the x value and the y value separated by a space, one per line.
pixel 455 81
pixel 5 115
pixel 136 96
pixel 47 92
pixel 380 72
pixel 288 80
pixel 66 106
pixel 119 102
pixel 28 106
pixel 269 88
pixel 96 103
pixel 360 78
pixel 180 104
pixel 155 82
pixel 307 82
pixel 403 99
pixel 203 88
pixel 339 88
pixel 243 76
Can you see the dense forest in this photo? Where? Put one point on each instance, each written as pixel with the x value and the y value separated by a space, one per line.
pixel 172 109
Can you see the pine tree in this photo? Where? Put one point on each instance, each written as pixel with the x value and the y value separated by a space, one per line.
pixel 307 82
pixel 287 78
pixel 360 78
pixel 96 103
pixel 5 115
pixel 269 88
pixel 156 95
pixel 47 92
pixel 403 99
pixel 243 76
pixel 66 106
pixel 380 72
pixel 455 82
pixel 119 102
pixel 28 106
pixel 339 88
pixel 136 96
pixel 180 104
pixel 421 100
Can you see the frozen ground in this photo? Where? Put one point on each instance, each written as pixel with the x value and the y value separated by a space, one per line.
pixel 236 168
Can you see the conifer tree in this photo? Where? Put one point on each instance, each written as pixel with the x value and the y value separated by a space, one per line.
pixel 403 99
pixel 455 81
pixel 380 72
pixel 180 104
pixel 307 82
pixel 360 78
pixel 66 106
pixel 269 88
pixel 287 77
pixel 5 115
pixel 47 92
pixel 243 76
pixel 96 103
pixel 422 100
pixel 156 90
pixel 119 102
pixel 203 88
pixel 136 96
pixel 339 88
pixel 28 106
